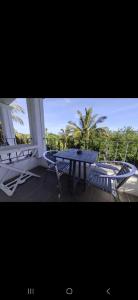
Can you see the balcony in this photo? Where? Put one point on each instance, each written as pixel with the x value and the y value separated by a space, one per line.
pixel 29 157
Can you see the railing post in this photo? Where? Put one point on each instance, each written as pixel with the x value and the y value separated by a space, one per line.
pixel 59 145
pixel 106 151
pixel 116 150
pixel 99 150
pixel 10 160
pixel 136 155
pixel 126 151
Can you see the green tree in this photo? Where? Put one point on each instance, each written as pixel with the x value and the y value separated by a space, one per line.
pixel 22 138
pixel 64 136
pixel 87 123
pixel 52 141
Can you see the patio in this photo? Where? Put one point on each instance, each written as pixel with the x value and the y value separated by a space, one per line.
pixel 29 158
pixel 44 189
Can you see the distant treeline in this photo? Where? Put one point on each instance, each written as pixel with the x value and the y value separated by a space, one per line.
pixel 119 145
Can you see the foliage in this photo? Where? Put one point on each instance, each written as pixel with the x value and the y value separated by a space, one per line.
pixel 87 123
pixel 22 138
pixel 52 141
pixel 111 145
pixel 15 108
pixel 86 135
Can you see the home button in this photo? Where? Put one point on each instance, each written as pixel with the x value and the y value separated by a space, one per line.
pixel 69 291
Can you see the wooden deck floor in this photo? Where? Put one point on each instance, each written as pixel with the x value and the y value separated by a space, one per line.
pixel 44 189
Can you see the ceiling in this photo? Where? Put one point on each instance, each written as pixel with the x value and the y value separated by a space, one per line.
pixel 7 100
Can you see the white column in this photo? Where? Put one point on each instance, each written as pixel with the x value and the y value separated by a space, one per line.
pixel 36 122
pixel 7 124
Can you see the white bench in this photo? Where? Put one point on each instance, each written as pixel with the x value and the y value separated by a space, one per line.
pixel 23 174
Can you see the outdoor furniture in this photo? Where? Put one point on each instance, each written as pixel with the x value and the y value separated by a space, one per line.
pixel 59 167
pixel 111 183
pixel 86 157
pixel 10 187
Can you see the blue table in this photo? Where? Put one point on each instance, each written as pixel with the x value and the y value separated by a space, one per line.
pixel 86 157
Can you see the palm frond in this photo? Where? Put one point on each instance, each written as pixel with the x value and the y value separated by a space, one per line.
pixel 101 119
pixel 93 120
pixel 88 110
pixel 74 125
pixel 16 108
pixel 62 131
pixel 87 117
pixel 81 119
pixel 17 119
pixel 79 113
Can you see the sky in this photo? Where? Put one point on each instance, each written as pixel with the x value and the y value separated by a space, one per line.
pixel 57 112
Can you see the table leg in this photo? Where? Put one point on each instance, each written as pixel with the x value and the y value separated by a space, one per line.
pixel 70 175
pixel 74 168
pixel 84 176
pixel 73 175
pixel 70 168
pixel 79 169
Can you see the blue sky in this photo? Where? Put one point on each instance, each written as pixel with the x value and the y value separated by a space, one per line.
pixel 57 112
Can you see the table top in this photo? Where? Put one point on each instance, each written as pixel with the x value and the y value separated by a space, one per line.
pixel 16 148
pixel 86 155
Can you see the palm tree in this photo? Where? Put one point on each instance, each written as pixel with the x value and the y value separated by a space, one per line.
pixel 102 132
pixel 15 108
pixel 64 134
pixel 87 122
